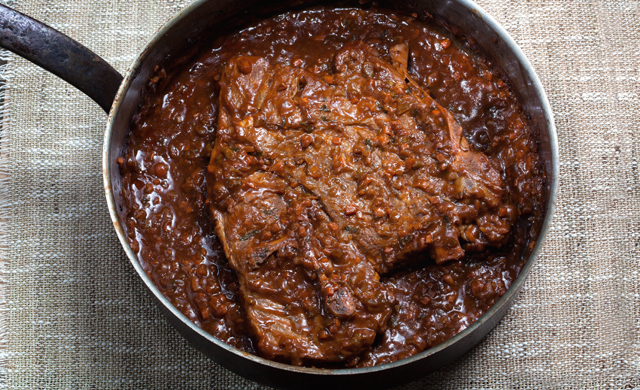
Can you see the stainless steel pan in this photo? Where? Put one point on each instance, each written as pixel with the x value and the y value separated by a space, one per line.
pixel 120 96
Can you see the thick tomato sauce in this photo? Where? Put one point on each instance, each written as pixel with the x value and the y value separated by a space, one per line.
pixel 174 132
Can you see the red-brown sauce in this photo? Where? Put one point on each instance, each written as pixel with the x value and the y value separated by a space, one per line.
pixel 164 169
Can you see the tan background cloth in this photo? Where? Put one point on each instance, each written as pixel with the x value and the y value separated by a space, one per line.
pixel 76 316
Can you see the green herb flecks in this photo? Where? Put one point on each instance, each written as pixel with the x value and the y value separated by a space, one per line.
pixel 352 229
pixel 248 235
pixel 307 128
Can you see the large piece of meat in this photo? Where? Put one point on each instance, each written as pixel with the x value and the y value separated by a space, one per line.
pixel 319 183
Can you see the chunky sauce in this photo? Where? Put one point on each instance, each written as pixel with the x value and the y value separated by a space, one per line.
pixel 170 194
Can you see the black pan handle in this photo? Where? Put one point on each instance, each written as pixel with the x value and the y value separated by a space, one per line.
pixel 60 55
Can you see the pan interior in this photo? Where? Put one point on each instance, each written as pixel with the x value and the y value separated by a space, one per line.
pixel 202 21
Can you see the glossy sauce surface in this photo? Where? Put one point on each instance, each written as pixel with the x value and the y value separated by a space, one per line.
pixel 165 180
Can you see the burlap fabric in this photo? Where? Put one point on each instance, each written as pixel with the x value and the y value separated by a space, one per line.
pixel 74 315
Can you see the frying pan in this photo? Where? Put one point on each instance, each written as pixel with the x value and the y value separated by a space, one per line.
pixel 120 96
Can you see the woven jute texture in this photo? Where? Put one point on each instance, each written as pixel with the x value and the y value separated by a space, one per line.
pixel 73 313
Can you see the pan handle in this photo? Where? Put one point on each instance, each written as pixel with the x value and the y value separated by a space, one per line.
pixel 60 55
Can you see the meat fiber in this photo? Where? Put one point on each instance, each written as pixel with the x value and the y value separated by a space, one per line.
pixel 318 183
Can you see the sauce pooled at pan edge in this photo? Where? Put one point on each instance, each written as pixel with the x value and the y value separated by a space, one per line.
pixel 332 187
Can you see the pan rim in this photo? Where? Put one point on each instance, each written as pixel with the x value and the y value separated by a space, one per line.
pixel 503 303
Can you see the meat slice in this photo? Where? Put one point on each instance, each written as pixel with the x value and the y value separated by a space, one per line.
pixel 310 294
pixel 332 179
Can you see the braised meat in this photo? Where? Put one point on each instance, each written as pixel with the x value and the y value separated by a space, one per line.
pixel 334 179
pixel 333 305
